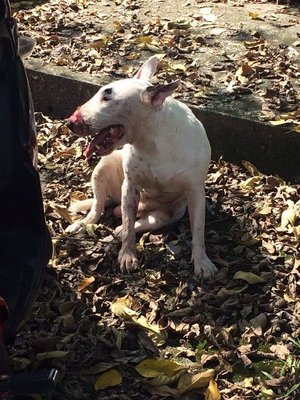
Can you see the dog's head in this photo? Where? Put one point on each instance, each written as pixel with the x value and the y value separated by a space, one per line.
pixel 118 109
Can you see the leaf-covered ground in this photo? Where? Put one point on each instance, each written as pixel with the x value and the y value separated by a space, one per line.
pixel 244 326
pixel 228 48
pixel 102 328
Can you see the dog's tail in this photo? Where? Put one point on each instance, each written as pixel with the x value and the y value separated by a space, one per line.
pixel 82 205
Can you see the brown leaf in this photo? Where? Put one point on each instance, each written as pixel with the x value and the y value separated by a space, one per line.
pixel 258 324
pixel 188 382
pixel 280 350
pixel 84 283
pixel 249 277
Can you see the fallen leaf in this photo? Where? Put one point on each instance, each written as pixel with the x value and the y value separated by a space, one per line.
pixel 254 15
pixel 57 354
pixel 288 216
pixel 264 210
pixel 150 368
pixel 212 391
pixel 159 336
pixel 177 66
pixel 108 379
pixel 20 363
pixel 248 382
pixel 84 283
pixel 251 168
pixel 268 392
pixel 62 211
pixel 280 122
pixel 90 230
pixel 258 324
pixel 224 293
pixel 280 350
pixel 118 26
pixel 251 183
pixel 188 382
pixel 118 305
pixel 77 196
pixel 249 277
pixel 163 391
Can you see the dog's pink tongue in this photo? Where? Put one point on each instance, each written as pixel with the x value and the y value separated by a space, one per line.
pixel 89 151
pixel 94 146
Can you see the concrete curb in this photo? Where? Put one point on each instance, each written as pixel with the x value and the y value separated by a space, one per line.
pixel 272 149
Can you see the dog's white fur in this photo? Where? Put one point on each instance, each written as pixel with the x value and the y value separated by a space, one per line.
pixel 160 170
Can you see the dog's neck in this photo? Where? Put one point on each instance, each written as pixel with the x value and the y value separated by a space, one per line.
pixel 146 132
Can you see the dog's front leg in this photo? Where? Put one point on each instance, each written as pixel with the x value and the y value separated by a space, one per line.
pixel 203 267
pixel 129 203
pixel 99 186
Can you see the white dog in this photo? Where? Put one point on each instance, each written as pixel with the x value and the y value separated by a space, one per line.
pixel 160 170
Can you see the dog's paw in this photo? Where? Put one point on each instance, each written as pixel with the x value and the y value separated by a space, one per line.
pixel 127 260
pixel 205 269
pixel 76 227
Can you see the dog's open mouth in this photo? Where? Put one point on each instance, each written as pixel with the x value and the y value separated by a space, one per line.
pixel 104 142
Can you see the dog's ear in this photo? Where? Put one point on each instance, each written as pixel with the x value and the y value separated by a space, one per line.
pixel 148 69
pixel 156 95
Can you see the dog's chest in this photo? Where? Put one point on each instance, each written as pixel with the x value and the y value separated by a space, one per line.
pixel 155 175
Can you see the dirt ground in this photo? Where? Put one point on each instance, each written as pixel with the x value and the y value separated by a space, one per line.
pixel 158 333
pixel 223 51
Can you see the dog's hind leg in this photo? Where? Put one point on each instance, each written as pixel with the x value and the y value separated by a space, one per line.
pixel 156 219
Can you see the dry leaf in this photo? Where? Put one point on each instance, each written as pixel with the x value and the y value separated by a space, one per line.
pixel 288 217
pixel 150 368
pixel 296 232
pixel 77 196
pixel 108 379
pixel 118 305
pixel 118 26
pixel 162 391
pixel 264 210
pixel 258 324
pixel 249 277
pixel 254 15
pixel 251 183
pixel 248 382
pixel 100 43
pixel 280 350
pixel 212 391
pixel 158 335
pixel 161 380
pixel 120 308
pixel 224 293
pixel 177 66
pixel 85 283
pixel 62 211
pixel 280 122
pixel 57 354
pixel 188 382
pixel 251 168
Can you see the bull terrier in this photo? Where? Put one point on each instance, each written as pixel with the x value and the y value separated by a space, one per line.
pixel 155 156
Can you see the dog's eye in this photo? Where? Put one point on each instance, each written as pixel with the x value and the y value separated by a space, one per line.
pixel 107 94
